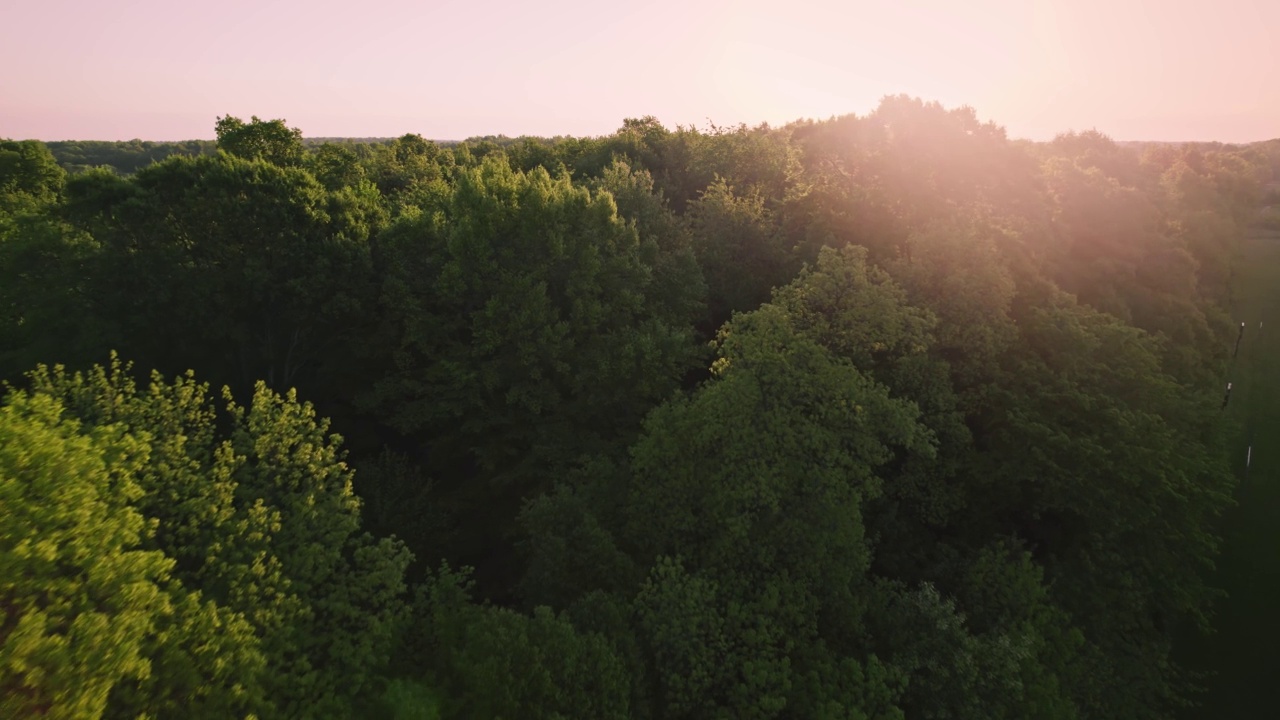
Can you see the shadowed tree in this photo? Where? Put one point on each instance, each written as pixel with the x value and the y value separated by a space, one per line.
pixel 524 329
pixel 195 276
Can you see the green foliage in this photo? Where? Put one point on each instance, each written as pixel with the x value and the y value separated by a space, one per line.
pixel 830 422
pixel 955 269
pixel 860 314
pixel 677 283
pixel 742 253
pixel 29 178
pixel 495 663
pixel 711 660
pixel 409 170
pixel 280 606
pixel 1092 149
pixel 269 140
pixel 957 454
pixel 408 700
pixel 1126 491
pixel 79 593
pixel 524 330
pixel 337 166
pixel 756 484
pixel 192 275
pixel 124 158
pixel 757 161
pixel 856 311
pixel 957 674
pixel 45 297
pixel 1119 257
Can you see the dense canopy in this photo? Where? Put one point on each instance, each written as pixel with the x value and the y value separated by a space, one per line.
pixel 877 417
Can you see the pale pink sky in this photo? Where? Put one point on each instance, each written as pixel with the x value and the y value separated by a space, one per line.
pixel 164 69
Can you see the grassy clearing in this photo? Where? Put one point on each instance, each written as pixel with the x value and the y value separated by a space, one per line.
pixel 1245 651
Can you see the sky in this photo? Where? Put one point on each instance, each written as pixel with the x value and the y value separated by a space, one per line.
pixel 1173 70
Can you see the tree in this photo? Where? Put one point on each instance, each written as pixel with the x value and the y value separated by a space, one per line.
pixel 742 254
pixel 123 158
pixel 862 315
pixel 269 140
pixel 485 661
pixel 30 180
pixel 269 289
pixel 745 500
pixel 409 169
pixel 678 287
pixel 80 593
pixel 958 269
pixel 47 305
pixel 1114 255
pixel 281 605
pixel 524 331
pixel 1107 468
pixel 337 166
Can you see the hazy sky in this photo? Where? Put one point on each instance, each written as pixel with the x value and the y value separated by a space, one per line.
pixel 164 69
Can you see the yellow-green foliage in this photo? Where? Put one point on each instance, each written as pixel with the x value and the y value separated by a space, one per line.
pixel 156 567
pixel 79 596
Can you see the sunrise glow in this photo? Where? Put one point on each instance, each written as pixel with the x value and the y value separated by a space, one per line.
pixel 159 70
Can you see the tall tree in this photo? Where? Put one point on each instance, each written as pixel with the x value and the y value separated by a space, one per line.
pixel 195 276
pixel 269 140
pixel 29 179
pixel 742 253
pixel 523 331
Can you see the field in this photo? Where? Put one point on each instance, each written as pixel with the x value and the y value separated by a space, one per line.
pixel 1245 651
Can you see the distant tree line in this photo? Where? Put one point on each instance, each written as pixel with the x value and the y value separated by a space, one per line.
pixel 125 157
pixel 885 416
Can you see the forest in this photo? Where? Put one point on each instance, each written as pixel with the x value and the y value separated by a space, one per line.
pixel 882 416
